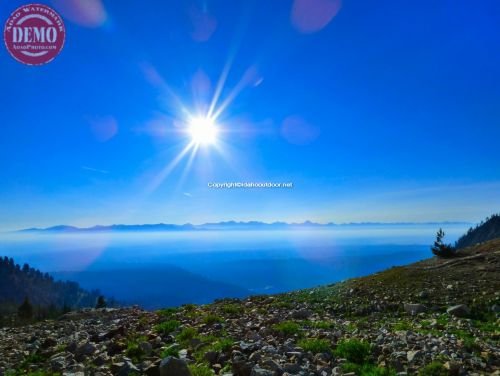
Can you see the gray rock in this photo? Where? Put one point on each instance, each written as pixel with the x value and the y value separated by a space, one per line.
pixel 460 310
pixel 49 342
pixel 58 362
pixel 495 308
pixel 171 366
pixel 272 365
pixel 183 354
pixel 291 368
pixel 249 347
pixel 413 355
pixel 423 294
pixel 242 368
pixel 152 370
pixel 302 314
pixel 255 356
pixel 257 371
pixel 211 356
pixel 414 309
pixel 146 347
pixel 85 349
pixel 127 368
pixel 336 371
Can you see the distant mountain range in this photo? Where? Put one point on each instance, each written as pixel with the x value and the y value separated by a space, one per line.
pixel 229 225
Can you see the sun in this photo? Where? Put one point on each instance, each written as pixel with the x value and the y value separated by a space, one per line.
pixel 203 131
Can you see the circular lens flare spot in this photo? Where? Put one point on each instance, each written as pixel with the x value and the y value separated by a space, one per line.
pixel 203 131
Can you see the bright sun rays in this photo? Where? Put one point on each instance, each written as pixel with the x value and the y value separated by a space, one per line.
pixel 201 127
pixel 203 131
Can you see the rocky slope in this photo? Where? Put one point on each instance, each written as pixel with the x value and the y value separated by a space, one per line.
pixel 436 317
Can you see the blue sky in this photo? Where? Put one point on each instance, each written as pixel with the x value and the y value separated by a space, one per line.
pixel 376 111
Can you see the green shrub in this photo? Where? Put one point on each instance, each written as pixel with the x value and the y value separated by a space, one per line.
pixel 354 351
pixel 402 325
pixel 232 309
pixel 368 370
pixel 223 345
pixel 170 351
pixel 200 370
pixel 317 324
pixel 189 307
pixel 134 352
pixel 167 327
pixel 471 345
pixel 287 328
pixel 212 319
pixel 316 345
pixel 167 312
pixel 433 369
pixel 187 334
pixel 322 324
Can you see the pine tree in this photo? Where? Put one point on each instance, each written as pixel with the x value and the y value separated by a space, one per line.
pixel 441 249
pixel 25 310
pixel 101 302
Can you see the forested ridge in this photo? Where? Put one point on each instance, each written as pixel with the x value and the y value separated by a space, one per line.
pixel 18 283
pixel 486 230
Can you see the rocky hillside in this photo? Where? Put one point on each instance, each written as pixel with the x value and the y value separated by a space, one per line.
pixel 436 317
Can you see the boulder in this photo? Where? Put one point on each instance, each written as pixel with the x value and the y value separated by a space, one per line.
pixel 414 309
pixel 171 366
pixel 460 310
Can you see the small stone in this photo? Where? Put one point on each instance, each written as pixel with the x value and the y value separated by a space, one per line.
pixel 183 354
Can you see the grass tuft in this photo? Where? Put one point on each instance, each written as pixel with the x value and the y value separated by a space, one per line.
pixel 354 351
pixel 316 345
pixel 287 328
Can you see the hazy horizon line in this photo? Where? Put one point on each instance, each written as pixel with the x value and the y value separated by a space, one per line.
pixel 200 226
